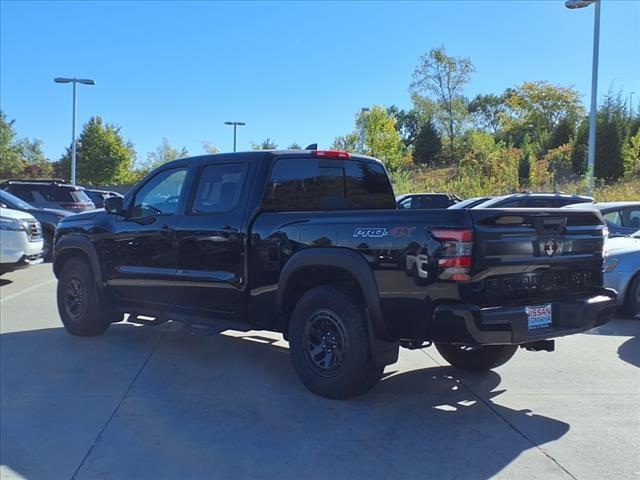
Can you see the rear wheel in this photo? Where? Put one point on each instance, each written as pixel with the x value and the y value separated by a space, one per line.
pixel 477 358
pixel 80 305
pixel 329 344
pixel 632 298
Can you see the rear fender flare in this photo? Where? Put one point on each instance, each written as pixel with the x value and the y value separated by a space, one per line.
pixel 344 259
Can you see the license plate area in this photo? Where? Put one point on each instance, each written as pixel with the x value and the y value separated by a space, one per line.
pixel 539 316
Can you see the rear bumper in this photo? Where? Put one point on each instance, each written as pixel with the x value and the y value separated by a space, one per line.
pixel 470 324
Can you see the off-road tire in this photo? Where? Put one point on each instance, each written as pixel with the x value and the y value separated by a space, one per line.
pixel 82 308
pixel 476 358
pixel 342 316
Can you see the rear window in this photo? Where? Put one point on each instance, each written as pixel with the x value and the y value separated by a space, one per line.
pixel 22 192
pixel 435 201
pixel 309 184
pixel 96 196
pixel 62 194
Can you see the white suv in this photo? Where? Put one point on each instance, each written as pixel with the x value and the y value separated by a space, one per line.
pixel 20 240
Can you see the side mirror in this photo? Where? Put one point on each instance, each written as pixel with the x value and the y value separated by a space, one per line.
pixel 113 205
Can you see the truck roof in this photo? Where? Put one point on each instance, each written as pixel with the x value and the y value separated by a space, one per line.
pixel 260 154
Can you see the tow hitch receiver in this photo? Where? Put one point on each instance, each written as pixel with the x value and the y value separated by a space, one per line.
pixel 540 345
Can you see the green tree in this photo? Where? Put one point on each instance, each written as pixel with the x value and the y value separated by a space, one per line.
pixel 11 161
pixel 267 144
pixel 608 155
pixel 631 154
pixel 380 137
pixel 165 153
pixel 346 143
pixel 443 78
pixel 562 133
pixel 537 107
pixel 103 157
pixel 489 111
pixel 579 150
pixel 408 124
pixel 427 144
pixel 36 164
pixel 294 146
pixel 526 161
pixel 488 162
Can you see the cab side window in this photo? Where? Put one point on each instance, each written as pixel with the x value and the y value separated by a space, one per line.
pixel 631 217
pixel 160 195
pixel 307 184
pixel 219 188
pixel 614 218
pixel 407 203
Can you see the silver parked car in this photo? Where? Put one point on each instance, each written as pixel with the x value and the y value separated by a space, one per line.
pixel 622 271
pixel 622 218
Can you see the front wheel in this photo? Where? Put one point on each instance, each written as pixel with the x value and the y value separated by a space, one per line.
pixel 476 358
pixel 329 344
pixel 79 301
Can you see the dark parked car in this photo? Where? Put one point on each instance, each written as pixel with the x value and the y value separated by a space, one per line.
pixel 623 218
pixel 426 200
pixel 311 244
pixel 534 200
pixel 47 217
pixel 54 194
pixel 99 196
pixel 469 202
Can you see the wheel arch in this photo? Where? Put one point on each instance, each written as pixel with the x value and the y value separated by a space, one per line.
pixel 627 291
pixel 73 246
pixel 313 267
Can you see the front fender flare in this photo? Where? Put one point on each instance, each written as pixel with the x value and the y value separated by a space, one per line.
pixel 81 244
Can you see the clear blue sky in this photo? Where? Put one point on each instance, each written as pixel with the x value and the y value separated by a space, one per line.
pixel 292 71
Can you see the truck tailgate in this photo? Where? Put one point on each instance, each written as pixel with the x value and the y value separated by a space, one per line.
pixel 529 253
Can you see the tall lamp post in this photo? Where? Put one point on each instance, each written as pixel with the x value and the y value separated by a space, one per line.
pixel 84 81
pixel 573 4
pixel 235 126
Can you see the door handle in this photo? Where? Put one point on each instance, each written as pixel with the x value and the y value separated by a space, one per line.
pixel 165 230
pixel 229 229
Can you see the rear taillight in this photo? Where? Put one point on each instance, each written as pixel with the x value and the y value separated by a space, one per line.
pixel 331 154
pixel 454 261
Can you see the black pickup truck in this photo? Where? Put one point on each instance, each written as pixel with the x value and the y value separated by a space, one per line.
pixel 310 243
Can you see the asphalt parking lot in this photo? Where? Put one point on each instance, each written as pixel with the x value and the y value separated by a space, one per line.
pixel 173 402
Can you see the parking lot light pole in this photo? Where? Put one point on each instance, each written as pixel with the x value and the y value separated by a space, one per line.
pixel 235 126
pixel 84 81
pixel 573 4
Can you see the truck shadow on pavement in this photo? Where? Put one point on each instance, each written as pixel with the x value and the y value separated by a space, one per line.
pixel 167 403
pixel 629 351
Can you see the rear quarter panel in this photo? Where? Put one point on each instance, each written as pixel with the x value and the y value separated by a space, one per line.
pixel 390 241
